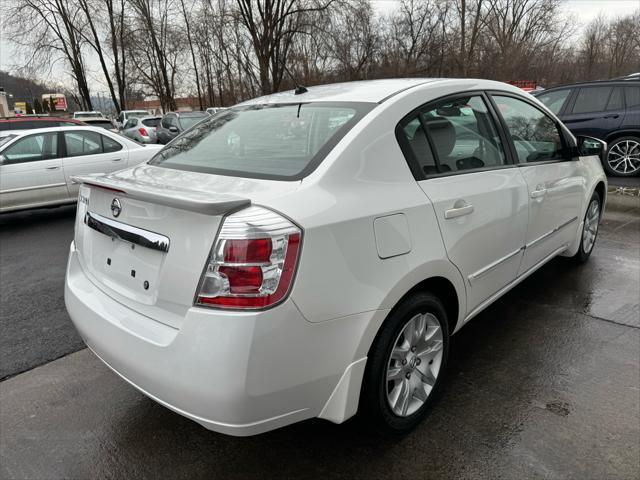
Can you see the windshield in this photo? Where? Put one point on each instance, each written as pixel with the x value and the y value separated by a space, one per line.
pixel 151 122
pixel 137 114
pixel 282 141
pixel 6 139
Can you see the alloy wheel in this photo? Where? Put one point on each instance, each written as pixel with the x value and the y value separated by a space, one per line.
pixel 624 156
pixel 414 364
pixel 590 229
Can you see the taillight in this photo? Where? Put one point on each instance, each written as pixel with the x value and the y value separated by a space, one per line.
pixel 252 262
pixel 143 132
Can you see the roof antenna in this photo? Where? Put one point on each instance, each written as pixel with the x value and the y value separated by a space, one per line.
pixel 299 88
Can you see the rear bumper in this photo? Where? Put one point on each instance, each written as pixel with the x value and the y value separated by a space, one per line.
pixel 235 373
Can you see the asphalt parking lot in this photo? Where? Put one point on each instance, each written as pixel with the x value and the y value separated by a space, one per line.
pixel 543 384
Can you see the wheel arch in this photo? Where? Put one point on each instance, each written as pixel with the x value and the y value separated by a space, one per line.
pixel 613 136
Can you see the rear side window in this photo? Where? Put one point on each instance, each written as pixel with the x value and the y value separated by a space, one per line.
pixel 151 122
pixel 592 99
pixel 463 135
pixel 415 140
pixel 43 146
pixel 554 100
pixel 535 135
pixel 632 96
pixel 82 143
pixel 110 145
pixel 279 141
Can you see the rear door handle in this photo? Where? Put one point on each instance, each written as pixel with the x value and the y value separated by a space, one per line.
pixel 116 160
pixel 53 168
pixel 614 115
pixel 539 192
pixel 460 208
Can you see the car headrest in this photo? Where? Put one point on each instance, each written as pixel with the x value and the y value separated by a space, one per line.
pixel 442 133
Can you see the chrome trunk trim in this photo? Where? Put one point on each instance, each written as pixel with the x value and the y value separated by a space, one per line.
pixel 127 233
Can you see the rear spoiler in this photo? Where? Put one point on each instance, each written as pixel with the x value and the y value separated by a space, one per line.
pixel 176 197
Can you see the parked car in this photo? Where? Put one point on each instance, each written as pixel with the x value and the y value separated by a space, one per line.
pixel 91 114
pixel 174 123
pixel 142 129
pixel 101 122
pixel 212 110
pixel 608 110
pixel 127 114
pixel 31 122
pixel 310 255
pixel 36 166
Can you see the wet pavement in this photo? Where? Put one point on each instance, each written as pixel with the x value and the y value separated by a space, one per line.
pixel 543 384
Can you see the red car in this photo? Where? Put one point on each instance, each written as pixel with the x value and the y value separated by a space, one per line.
pixel 26 123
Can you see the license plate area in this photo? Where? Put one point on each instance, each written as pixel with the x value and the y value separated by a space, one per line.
pixel 127 268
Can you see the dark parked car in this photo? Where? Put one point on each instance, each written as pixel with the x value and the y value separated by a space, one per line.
pixel 609 110
pixel 27 123
pixel 174 123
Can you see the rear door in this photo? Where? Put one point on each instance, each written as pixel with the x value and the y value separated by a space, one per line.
pixel 595 111
pixel 553 178
pixel 31 172
pixel 479 196
pixel 91 152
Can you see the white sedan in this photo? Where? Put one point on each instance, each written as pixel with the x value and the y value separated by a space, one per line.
pixel 310 253
pixel 36 166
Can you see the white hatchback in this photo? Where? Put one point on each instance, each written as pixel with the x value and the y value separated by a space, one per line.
pixel 36 166
pixel 310 255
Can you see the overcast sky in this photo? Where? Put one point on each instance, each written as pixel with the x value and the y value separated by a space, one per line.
pixel 584 10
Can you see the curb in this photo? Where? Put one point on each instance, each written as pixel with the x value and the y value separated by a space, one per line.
pixel 625 197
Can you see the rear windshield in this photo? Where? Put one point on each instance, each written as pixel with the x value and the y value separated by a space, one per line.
pixel 280 142
pixel 151 122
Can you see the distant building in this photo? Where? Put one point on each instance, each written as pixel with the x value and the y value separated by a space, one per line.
pixel 187 104
pixel 57 101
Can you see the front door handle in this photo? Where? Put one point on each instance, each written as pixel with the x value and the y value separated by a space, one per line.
pixel 460 208
pixel 614 115
pixel 53 168
pixel 539 193
pixel 116 160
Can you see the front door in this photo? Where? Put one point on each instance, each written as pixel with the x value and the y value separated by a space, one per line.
pixel 479 197
pixel 31 173
pixel 553 179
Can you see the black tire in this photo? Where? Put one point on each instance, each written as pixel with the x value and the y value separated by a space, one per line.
pixel 581 255
pixel 608 168
pixel 375 410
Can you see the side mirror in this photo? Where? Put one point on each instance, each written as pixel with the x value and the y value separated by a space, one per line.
pixel 173 129
pixel 3 159
pixel 588 146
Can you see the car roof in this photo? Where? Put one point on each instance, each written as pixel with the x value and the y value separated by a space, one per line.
pixel 372 91
pixel 617 81
pixel 375 91
pixel 37 118
pixel 58 129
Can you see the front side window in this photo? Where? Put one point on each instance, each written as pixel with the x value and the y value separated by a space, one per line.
pixel 592 99
pixel 43 146
pixel 279 141
pixel 554 100
pixel 535 135
pixel 130 123
pixel 82 143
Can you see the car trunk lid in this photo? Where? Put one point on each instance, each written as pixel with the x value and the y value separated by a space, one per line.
pixel 143 235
